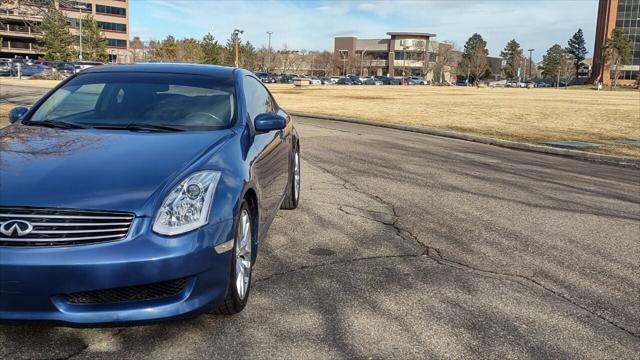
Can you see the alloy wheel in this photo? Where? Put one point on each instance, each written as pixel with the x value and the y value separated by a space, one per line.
pixel 243 254
pixel 296 176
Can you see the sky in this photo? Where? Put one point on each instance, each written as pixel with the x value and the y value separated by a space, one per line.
pixel 312 24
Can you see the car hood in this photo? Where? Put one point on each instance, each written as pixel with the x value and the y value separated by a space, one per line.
pixel 95 169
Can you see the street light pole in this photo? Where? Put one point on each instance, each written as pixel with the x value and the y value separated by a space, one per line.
pixel 236 38
pixel 362 63
pixel 79 7
pixel 404 62
pixel 530 56
pixel 269 55
pixel 344 60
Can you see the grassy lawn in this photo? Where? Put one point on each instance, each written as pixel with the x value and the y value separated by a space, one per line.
pixel 4 112
pixel 28 82
pixel 528 115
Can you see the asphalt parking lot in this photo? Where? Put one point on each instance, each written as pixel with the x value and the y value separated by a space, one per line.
pixel 412 246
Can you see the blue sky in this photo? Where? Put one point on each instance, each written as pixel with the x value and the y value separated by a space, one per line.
pixel 311 25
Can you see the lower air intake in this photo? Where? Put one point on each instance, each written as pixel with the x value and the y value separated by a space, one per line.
pixel 127 294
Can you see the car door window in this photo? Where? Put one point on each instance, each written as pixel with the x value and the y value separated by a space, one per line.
pixel 257 97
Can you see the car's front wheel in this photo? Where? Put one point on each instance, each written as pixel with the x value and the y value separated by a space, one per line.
pixel 241 265
pixel 293 192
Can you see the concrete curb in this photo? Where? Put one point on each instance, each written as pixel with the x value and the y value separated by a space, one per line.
pixel 623 161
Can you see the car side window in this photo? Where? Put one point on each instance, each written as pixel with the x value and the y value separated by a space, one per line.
pixel 257 97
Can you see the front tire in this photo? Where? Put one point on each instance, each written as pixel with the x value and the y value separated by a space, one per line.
pixel 241 265
pixel 293 192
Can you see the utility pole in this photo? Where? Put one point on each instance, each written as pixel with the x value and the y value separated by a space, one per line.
pixel 344 60
pixel 236 39
pixel 269 55
pixel 530 57
pixel 404 62
pixel 79 7
pixel 362 63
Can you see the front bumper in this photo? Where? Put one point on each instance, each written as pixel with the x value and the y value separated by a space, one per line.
pixel 33 280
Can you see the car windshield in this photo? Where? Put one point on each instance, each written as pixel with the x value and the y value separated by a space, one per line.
pixel 182 101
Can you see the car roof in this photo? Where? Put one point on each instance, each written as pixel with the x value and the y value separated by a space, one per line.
pixel 194 69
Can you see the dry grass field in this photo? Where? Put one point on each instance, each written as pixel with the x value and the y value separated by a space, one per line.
pixel 4 111
pixel 528 115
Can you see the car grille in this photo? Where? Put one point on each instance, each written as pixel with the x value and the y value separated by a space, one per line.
pixel 56 227
pixel 127 294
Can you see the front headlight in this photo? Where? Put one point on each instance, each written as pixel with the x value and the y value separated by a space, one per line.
pixel 188 205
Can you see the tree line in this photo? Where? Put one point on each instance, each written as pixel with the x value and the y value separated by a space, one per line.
pixel 56 42
pixel 558 63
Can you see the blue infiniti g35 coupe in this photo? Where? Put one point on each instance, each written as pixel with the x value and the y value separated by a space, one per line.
pixel 141 192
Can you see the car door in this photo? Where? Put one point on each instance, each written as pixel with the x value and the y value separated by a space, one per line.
pixel 271 166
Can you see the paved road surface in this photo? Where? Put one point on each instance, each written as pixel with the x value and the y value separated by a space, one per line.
pixel 430 247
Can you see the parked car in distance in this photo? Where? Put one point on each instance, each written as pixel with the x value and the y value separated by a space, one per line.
pixel 62 67
pixel 345 81
pixel 313 80
pixel 416 80
pixel 334 79
pixel 30 70
pixel 387 80
pixel 266 77
pixel 461 82
pixel 371 81
pixel 355 80
pixel 287 78
pixel 5 68
pixel 326 81
pixel 82 65
pixel 161 183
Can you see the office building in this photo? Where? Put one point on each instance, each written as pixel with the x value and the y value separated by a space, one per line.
pixel 19 20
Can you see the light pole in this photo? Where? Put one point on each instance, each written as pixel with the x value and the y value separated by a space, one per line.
pixel 404 62
pixel 269 55
pixel 79 7
pixel 344 60
pixel 362 63
pixel 530 56
pixel 236 39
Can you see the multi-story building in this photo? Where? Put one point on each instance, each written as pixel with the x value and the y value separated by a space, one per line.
pixel 402 54
pixel 19 20
pixel 624 15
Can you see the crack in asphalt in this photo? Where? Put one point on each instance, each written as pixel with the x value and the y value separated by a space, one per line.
pixel 436 255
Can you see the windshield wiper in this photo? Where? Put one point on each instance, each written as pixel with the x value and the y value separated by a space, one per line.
pixel 56 124
pixel 140 127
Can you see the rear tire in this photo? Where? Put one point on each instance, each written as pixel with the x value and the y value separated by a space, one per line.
pixel 237 292
pixel 293 192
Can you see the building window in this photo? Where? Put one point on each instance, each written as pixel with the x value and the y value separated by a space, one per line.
pixel 74 23
pixel 109 26
pixel 117 43
pixel 410 55
pixel 111 10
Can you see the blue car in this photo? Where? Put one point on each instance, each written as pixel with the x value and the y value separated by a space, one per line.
pixel 138 193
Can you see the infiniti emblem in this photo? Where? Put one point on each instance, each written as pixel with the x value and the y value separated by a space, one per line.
pixel 16 227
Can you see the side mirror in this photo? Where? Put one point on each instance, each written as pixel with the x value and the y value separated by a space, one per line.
pixel 16 113
pixel 269 122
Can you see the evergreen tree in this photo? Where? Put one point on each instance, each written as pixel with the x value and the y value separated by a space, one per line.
pixel 94 44
pixel 474 57
pixel 167 49
pixel 617 52
pixel 512 54
pixel 55 40
pixel 211 49
pixel 577 48
pixel 552 62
